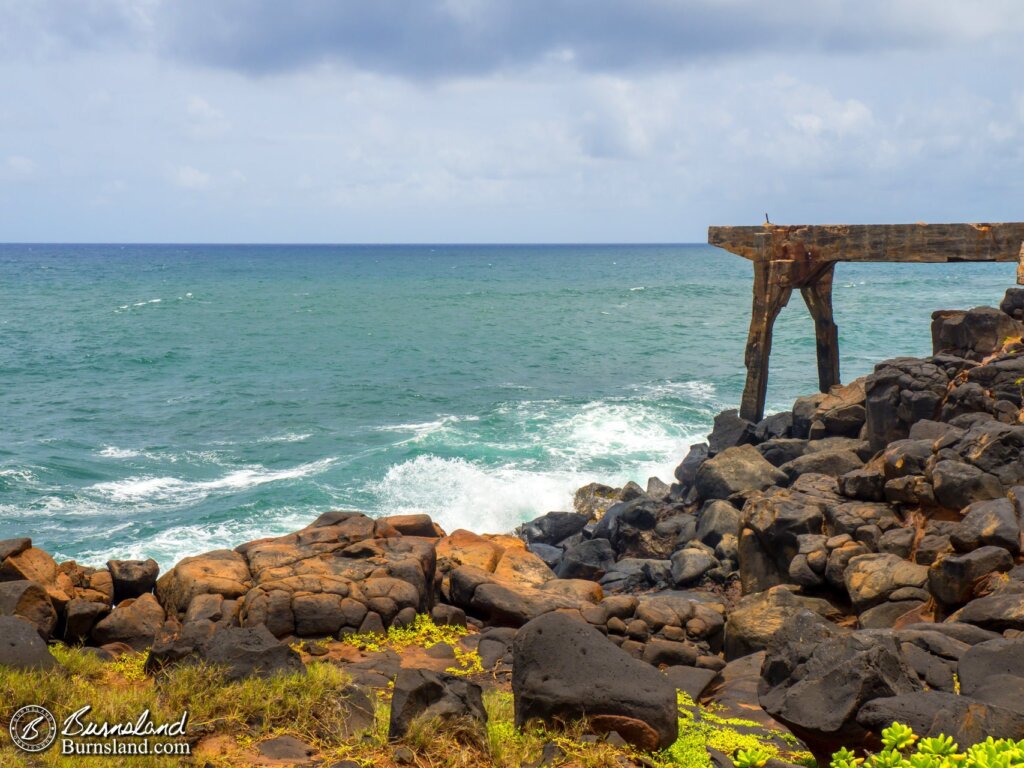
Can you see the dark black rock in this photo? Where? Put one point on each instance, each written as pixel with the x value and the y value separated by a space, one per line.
pixel 952 579
pixel 132 578
pixel 448 615
pixel 736 470
pixel 422 693
pixel 285 748
pixel 80 617
pixel 729 431
pixel 931 713
pixel 717 519
pixel 816 677
pixel 1013 303
pixel 899 393
pixel 28 600
pixel 553 527
pixel 687 469
pixel 587 560
pixel 564 669
pixel 988 523
pixel 249 651
pixel 972 334
pixel 549 554
pixel 957 484
pixel 692 681
pixel 993 671
pixel 21 647
pixel 996 612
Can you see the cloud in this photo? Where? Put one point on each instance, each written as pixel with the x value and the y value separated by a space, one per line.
pixel 205 121
pixel 436 39
pixel 17 168
pixel 187 177
pixel 441 38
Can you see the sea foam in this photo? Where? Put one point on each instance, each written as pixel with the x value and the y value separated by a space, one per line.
pixel 158 490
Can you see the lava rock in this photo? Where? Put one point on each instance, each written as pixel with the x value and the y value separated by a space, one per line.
pixel 816 677
pixel 21 647
pixel 134 622
pixel 564 669
pixel 736 470
pixel 952 579
pixel 931 713
pixel 427 694
pixel 988 523
pixel 587 560
pixel 250 651
pixel 132 578
pixel 30 601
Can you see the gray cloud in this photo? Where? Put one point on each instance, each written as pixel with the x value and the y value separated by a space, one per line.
pixel 430 39
pixel 501 121
pixel 437 38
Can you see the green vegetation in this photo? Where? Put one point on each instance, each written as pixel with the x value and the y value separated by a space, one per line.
pixel 423 632
pixel 311 706
pixel 229 719
pixel 702 727
pixel 902 748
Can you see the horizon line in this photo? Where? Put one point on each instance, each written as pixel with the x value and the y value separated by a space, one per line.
pixel 353 244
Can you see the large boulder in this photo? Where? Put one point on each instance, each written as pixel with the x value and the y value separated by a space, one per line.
pixel 952 579
pixel 553 527
pixel 931 713
pixel 817 676
pixel 249 651
pixel 899 393
pixel 132 578
pixel 587 560
pixel 988 523
pixel 728 431
pixel 133 622
pixel 734 471
pixel 993 671
pixel 972 334
pixel 30 601
pixel 21 647
pixel 995 612
pixel 565 669
pixel 772 523
pixel 872 578
pixel 717 519
pixel 956 484
pixel 756 618
pixel 221 572
pixel 421 693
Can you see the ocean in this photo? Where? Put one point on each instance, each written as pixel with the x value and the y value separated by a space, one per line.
pixel 164 400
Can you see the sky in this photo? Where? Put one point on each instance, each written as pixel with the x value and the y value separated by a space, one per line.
pixel 441 121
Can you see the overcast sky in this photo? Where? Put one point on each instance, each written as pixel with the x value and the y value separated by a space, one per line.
pixel 502 120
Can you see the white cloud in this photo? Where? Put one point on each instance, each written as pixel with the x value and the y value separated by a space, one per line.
pixel 17 168
pixel 204 120
pixel 187 177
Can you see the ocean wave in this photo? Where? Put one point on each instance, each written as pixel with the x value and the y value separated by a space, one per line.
pixel 17 474
pixel 113 452
pixel 288 437
pixel 461 494
pixel 174 489
pixel 170 545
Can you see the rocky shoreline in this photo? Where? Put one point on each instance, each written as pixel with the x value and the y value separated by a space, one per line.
pixel 849 563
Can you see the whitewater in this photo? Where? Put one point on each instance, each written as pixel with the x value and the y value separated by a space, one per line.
pixel 161 401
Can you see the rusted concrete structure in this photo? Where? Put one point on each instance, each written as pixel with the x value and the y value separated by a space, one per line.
pixel 805 256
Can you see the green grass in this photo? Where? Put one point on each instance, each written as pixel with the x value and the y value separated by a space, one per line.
pixel 313 706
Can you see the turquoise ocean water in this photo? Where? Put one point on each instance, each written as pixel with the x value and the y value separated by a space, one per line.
pixel 166 400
